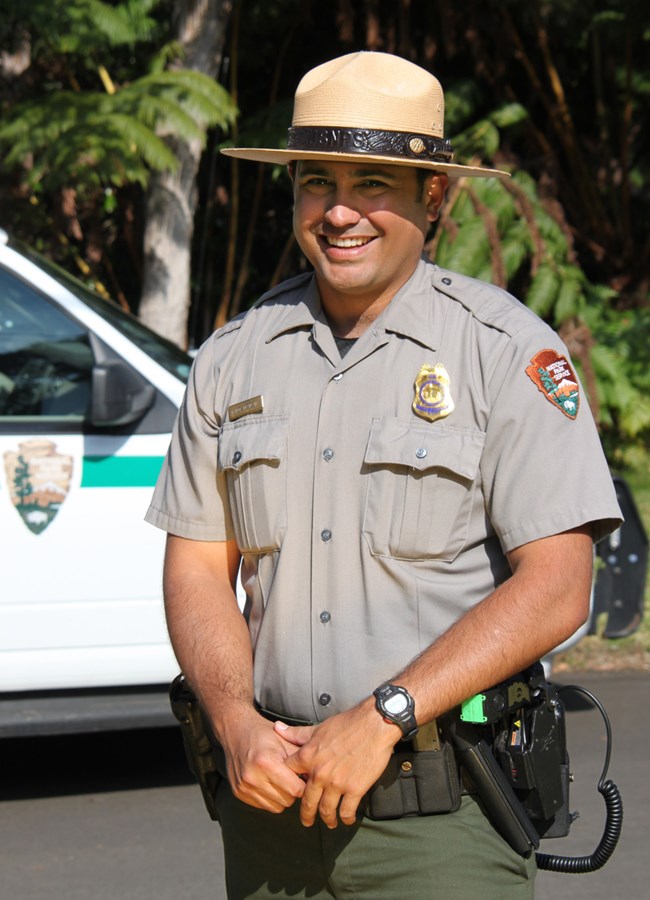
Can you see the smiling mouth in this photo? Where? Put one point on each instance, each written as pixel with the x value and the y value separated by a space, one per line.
pixel 347 243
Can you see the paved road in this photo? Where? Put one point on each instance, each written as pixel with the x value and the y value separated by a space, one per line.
pixel 116 817
pixel 627 874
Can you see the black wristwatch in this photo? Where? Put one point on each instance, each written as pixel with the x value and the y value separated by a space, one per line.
pixel 396 704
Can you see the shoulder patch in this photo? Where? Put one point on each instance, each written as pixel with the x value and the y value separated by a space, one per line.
pixel 553 376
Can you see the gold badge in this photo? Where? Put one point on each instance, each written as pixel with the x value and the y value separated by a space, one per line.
pixel 432 396
pixel 246 408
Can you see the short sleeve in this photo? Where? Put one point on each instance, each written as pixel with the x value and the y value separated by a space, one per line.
pixel 190 498
pixel 543 467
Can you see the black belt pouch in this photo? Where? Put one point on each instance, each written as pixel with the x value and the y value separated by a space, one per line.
pixel 416 783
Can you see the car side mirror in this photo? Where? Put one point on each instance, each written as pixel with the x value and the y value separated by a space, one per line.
pixel 119 394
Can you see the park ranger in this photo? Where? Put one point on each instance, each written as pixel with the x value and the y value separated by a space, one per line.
pixel 404 464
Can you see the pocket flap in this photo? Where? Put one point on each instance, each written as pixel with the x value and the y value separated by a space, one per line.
pixel 242 443
pixel 394 442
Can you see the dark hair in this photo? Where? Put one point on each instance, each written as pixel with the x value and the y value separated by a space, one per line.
pixel 422 176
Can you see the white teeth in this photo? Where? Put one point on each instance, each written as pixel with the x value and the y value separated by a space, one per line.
pixel 347 242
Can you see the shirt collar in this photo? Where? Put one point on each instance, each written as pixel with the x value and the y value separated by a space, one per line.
pixel 413 312
pixel 303 314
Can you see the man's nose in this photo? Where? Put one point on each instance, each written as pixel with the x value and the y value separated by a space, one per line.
pixel 342 214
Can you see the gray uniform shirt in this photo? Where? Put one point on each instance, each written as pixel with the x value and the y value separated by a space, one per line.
pixel 366 530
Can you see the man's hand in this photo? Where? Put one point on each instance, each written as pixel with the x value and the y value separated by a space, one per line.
pixel 256 756
pixel 340 759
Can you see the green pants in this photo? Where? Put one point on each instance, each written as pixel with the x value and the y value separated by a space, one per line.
pixel 448 857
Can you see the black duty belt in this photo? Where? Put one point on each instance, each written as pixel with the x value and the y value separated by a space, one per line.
pixel 276 717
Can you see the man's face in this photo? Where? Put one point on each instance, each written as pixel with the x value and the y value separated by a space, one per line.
pixel 362 225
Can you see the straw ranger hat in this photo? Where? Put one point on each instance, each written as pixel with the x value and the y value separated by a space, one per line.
pixel 371 106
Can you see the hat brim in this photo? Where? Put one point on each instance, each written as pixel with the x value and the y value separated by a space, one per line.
pixel 283 157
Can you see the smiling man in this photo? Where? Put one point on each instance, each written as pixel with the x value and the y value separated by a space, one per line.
pixel 362 227
pixel 376 447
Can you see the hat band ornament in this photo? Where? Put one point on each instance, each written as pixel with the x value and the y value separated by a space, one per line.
pixel 366 140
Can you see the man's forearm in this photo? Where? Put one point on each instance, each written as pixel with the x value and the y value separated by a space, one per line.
pixel 545 601
pixel 207 630
pixel 212 644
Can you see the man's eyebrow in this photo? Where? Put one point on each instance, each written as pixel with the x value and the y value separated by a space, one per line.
pixel 312 169
pixel 376 171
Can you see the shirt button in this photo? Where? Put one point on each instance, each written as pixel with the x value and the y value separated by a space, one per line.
pixel 236 457
pixel 325 617
pixel 328 454
pixel 421 452
pixel 338 377
pixel 324 699
pixel 446 280
pixel 326 534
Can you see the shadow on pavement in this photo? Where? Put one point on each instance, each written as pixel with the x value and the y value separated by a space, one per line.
pixel 92 763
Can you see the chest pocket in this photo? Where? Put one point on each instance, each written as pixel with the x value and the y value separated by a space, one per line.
pixel 421 481
pixel 253 456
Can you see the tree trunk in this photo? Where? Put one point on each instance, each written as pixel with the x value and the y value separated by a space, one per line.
pixel 172 196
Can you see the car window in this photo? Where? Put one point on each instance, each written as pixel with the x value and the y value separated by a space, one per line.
pixel 45 357
pixel 163 351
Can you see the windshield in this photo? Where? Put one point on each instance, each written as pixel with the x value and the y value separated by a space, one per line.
pixel 163 351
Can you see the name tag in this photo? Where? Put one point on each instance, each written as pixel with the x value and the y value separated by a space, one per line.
pixel 246 408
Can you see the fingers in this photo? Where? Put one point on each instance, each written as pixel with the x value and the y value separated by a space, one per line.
pixel 339 760
pixel 294 734
pixel 264 797
pixel 316 801
pixel 269 790
pixel 330 804
pixel 258 773
pixel 349 808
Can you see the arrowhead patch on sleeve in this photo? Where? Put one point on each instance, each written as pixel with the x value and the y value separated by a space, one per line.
pixel 554 377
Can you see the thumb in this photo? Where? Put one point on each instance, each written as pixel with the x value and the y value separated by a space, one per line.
pixel 294 734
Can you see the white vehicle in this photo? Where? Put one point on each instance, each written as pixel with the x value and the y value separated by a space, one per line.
pixel 88 397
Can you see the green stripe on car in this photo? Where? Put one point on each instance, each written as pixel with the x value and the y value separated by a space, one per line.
pixel 120 471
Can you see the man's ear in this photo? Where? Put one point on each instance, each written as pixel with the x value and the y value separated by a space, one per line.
pixel 435 194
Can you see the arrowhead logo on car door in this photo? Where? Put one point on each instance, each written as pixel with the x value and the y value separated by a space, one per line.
pixel 38 479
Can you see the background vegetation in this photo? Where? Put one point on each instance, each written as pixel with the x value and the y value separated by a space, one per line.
pixel 557 92
pixel 95 99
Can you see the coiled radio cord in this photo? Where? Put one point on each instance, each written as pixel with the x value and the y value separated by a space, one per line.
pixel 577 865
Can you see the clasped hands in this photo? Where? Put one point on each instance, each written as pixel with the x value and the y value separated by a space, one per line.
pixel 329 766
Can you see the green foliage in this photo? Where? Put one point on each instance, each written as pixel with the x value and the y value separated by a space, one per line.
pixel 92 139
pixel 462 101
pixel 515 249
pixel 467 251
pixel 620 360
pixel 84 27
pixel 543 290
pixel 536 254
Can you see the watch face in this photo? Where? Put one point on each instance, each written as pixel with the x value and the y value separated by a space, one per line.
pixel 396 704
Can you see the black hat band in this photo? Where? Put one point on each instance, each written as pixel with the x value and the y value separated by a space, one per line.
pixel 405 145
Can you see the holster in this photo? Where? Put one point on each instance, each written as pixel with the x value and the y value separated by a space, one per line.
pixel 205 757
